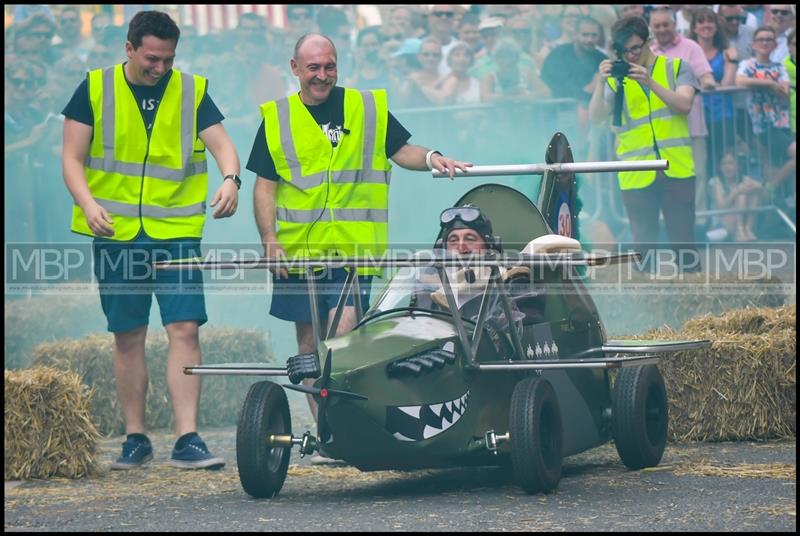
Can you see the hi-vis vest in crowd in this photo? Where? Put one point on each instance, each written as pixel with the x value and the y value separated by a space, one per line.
pixel 331 200
pixel 159 182
pixel 646 116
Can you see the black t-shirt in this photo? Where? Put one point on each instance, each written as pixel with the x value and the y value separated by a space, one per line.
pixel 79 107
pixel 330 117
pixel 566 73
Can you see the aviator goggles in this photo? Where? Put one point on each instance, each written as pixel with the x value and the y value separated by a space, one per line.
pixel 465 214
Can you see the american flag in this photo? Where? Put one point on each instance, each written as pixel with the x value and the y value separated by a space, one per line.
pixel 210 18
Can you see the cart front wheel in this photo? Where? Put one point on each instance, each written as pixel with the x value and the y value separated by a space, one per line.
pixel 639 416
pixel 262 469
pixel 536 435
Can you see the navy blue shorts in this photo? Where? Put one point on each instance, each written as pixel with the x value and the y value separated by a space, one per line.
pixel 290 296
pixel 127 281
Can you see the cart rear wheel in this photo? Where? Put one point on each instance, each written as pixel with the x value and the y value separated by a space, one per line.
pixel 262 469
pixel 639 416
pixel 536 435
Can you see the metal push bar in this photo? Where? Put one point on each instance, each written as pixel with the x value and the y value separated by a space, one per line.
pixel 575 167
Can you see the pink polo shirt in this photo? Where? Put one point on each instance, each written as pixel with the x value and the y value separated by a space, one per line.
pixel 689 51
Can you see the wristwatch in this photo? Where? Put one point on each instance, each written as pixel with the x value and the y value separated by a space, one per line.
pixel 235 178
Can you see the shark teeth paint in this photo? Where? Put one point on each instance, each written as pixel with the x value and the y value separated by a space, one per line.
pixel 417 423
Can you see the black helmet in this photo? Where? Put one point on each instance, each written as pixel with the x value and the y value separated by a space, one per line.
pixel 468 217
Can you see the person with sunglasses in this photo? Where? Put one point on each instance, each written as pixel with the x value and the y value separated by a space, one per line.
pixel 323 158
pixel 442 26
pixel 739 34
pixel 33 39
pixel 781 19
pixel 658 94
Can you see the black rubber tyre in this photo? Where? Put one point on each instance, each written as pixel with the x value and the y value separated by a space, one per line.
pixel 536 435
pixel 639 416
pixel 262 469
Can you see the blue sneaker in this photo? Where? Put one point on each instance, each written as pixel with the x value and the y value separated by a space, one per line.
pixel 195 455
pixel 135 453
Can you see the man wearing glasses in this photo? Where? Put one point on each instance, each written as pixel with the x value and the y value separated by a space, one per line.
pixel 300 19
pixel 782 21
pixel 740 34
pixel 658 94
pixel 33 39
pixel 442 25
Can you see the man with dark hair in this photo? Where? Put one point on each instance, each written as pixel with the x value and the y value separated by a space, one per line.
pixel 657 93
pixel 333 21
pixel 322 160
pixel 135 136
pixel 300 19
pixel 570 68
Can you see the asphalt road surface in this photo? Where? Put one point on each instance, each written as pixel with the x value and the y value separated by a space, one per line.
pixel 698 486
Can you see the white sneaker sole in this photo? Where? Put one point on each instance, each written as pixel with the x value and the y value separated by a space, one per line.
pixel 211 463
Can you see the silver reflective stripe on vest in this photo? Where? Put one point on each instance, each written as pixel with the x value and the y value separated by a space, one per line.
pixel 149 211
pixel 671 74
pixel 159 172
pixel 632 124
pixel 109 164
pixel 373 215
pixel 370 115
pixel 342 177
pixel 287 142
pixel 309 181
pixel 301 216
pixel 109 121
pixel 666 144
pixel 187 118
pixel 363 176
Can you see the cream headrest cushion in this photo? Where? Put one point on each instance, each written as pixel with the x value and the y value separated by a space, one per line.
pixel 551 243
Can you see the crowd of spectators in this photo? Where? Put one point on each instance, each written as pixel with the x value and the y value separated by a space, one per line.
pixel 484 56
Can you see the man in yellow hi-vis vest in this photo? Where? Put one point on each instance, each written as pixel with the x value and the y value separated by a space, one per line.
pixel 658 94
pixel 134 161
pixel 323 168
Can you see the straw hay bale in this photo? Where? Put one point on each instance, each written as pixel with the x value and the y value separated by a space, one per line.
pixel 48 427
pixel 756 320
pixel 221 397
pixel 743 387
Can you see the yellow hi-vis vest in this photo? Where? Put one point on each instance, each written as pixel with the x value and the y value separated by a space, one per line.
pixel 652 131
pixel 331 201
pixel 157 182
